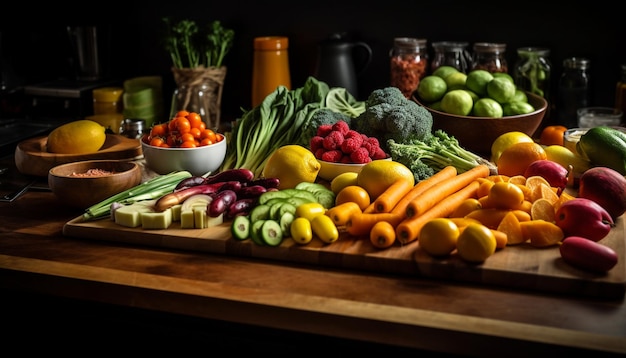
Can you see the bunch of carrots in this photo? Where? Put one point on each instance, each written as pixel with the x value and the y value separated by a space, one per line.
pixel 401 211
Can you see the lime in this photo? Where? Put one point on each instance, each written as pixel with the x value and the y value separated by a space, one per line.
pixel 477 81
pixel 475 96
pixel 444 71
pixel 432 88
pixel 503 75
pixel 457 102
pixel 516 107
pixel 520 96
pixel 487 107
pixel 456 80
pixel 501 89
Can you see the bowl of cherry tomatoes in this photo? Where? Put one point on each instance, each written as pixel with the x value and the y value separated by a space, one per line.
pixel 183 143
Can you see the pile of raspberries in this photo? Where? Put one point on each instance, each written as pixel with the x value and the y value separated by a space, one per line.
pixel 337 143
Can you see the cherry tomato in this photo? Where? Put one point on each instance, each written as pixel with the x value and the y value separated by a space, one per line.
pixel 196 132
pixel 187 137
pixel 205 141
pixel 181 113
pixel 194 119
pixel 183 125
pixel 159 130
pixel 156 141
pixel 188 144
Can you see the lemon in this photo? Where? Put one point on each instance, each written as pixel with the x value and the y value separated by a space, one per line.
pixel 456 80
pixel 505 140
pixel 501 89
pixel 432 88
pixel 477 81
pixel 565 157
pixel 487 107
pixel 291 164
pixel 438 237
pixel 343 180
pixel 458 102
pixel 77 137
pixel 476 243
pixel 377 175
pixel 444 71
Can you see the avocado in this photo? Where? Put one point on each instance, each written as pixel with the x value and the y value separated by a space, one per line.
pixel 604 146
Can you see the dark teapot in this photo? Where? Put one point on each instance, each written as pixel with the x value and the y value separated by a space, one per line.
pixel 341 61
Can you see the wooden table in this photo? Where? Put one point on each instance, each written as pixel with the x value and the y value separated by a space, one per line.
pixel 114 292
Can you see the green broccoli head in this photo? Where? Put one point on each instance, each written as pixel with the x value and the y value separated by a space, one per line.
pixel 389 95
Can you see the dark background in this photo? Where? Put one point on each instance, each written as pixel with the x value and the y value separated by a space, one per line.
pixel 35 45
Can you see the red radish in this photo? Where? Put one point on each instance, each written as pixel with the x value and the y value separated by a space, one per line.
pixel 553 172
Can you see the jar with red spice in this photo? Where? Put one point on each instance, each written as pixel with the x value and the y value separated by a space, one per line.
pixel 490 57
pixel 409 61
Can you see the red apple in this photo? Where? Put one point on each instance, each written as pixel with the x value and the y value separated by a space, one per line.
pixel 606 187
pixel 584 217
pixel 553 172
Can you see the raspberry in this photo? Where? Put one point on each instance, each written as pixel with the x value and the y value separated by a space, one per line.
pixel 350 145
pixel 371 149
pixel 360 156
pixel 341 126
pixel 346 159
pixel 333 140
pixel 317 142
pixel 379 154
pixel 332 156
pixel 324 129
pixel 319 152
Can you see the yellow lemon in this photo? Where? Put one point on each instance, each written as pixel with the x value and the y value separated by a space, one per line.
pixel 343 180
pixel 565 157
pixel 291 164
pixel 505 140
pixel 77 137
pixel 476 243
pixel 377 175
pixel 439 236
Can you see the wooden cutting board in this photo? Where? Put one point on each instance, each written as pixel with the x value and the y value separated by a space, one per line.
pixel 32 158
pixel 521 266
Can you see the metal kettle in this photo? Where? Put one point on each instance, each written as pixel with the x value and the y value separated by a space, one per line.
pixel 341 61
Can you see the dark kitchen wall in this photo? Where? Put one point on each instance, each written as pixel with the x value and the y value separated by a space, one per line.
pixel 35 45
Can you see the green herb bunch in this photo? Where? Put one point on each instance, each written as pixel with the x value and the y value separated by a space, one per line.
pixel 191 46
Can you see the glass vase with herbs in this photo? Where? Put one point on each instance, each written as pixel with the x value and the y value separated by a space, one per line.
pixel 197 57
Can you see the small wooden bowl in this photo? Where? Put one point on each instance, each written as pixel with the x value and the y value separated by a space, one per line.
pixel 85 191
pixel 478 133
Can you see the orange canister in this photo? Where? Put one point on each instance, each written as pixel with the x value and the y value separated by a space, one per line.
pixel 107 100
pixel 270 66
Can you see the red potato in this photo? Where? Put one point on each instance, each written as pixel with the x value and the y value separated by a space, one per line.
pixel 588 255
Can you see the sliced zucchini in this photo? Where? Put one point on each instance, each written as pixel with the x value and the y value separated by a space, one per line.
pixel 255 232
pixel 240 227
pixel 271 233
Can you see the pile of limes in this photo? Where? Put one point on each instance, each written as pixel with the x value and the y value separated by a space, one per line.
pixel 479 93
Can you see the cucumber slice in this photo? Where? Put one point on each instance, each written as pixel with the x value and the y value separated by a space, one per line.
pixel 240 227
pixel 311 187
pixel 326 198
pixel 275 210
pixel 273 201
pixel 287 208
pixel 271 233
pixel 295 201
pixel 268 195
pixel 260 212
pixel 285 223
pixel 255 232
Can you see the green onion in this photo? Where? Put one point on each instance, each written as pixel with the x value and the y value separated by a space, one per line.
pixel 151 189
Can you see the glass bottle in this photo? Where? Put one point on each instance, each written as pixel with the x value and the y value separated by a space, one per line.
pixel 490 57
pixel 620 90
pixel 408 63
pixel 532 70
pixel 453 54
pixel 270 67
pixel 573 90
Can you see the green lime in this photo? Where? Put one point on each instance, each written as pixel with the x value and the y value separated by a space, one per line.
pixel 520 96
pixel 456 80
pixel 503 75
pixel 515 107
pixel 457 102
pixel 477 81
pixel 501 89
pixel 431 88
pixel 475 96
pixel 444 71
pixel 487 107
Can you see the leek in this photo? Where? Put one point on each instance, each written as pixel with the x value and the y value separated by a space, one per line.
pixel 151 189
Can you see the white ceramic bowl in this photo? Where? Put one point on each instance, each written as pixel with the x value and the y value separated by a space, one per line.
pixel 328 170
pixel 197 161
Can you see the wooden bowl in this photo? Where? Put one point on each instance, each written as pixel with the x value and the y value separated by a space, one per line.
pixel 478 133
pixel 83 191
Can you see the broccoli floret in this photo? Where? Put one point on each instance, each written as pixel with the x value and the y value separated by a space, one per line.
pixel 318 117
pixel 436 152
pixel 389 115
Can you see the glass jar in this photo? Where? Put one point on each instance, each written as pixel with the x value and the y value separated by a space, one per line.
pixel 453 54
pixel 573 90
pixel 107 100
pixel 408 63
pixel 489 57
pixel 532 70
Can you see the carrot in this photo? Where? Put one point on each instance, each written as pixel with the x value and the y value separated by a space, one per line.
pixel 441 190
pixel 422 186
pixel 341 213
pixel 362 223
pixel 408 230
pixel 392 195
pixel 383 235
